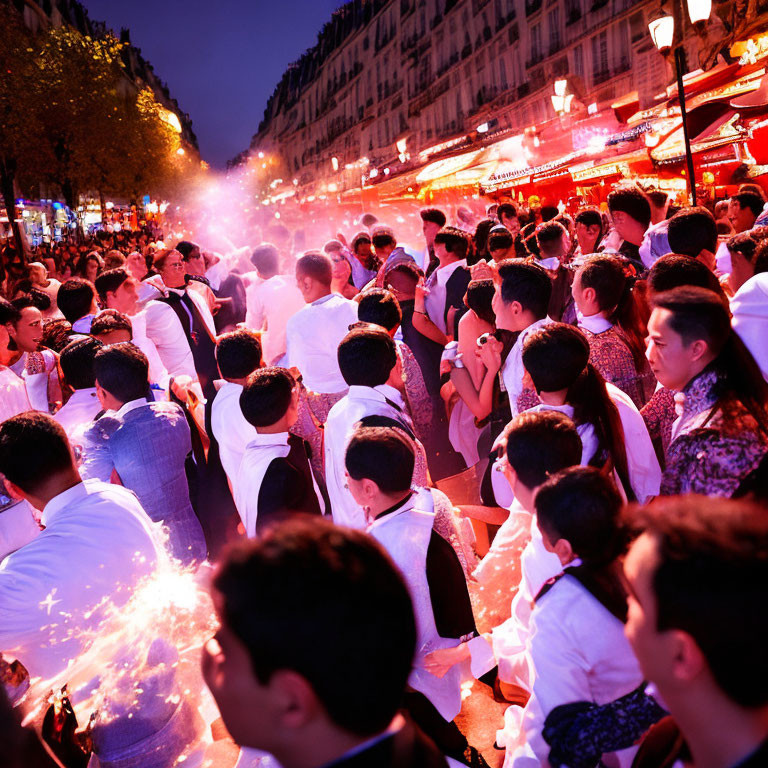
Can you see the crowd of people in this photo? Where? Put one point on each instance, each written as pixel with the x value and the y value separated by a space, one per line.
pixel 525 456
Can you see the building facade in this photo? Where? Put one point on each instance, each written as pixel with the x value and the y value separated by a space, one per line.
pixel 390 81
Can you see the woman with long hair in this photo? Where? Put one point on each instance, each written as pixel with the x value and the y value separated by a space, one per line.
pixel 613 434
pixel 609 315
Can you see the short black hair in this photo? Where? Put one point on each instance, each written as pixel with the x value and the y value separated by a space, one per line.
pixel 123 371
pixel 658 197
pixel 385 455
pixel 76 361
pixel 554 356
pixel 550 232
pixel 498 240
pixel 673 270
pixel 506 209
pixel 266 259
pixel 589 217
pixel 315 265
pixel 266 396
pixel 8 312
pixel 56 334
pixel 33 448
pixel 751 201
pixel 433 215
pixel 366 357
pixel 480 299
pixel 238 353
pixel 380 307
pixel 359 239
pixel 692 231
pixel 110 320
pixel 583 506
pixel 633 202
pixel 368 220
pixel 455 240
pixel 527 284
pixel 110 281
pixel 381 237
pixel 75 298
pixel 312 579
pixel 744 243
pixel 538 444
pixel 186 248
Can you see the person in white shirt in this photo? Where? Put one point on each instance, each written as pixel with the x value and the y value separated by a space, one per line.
pixel 275 478
pixel 520 304
pixel 314 332
pixel 271 302
pixel 97 543
pixel 238 354
pixel 180 324
pixel 119 290
pixel 76 299
pixel 369 363
pixel 577 647
pixel 78 413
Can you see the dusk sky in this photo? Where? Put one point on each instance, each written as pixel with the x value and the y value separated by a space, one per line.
pixel 220 58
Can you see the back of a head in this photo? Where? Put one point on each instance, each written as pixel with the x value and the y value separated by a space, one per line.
pixel 113 260
pixel 548 212
pixel 123 371
pixel 433 215
pixel 359 239
pixel 555 356
pixel 527 284
pixel 384 455
pixel 709 581
pixel 33 449
pixel 456 241
pixel 538 444
pixel 266 258
pixel 583 506
pixel 317 266
pixel 266 396
pixel 9 313
pixel 383 237
pixel 380 307
pixel 589 217
pixel 314 580
pixel 675 270
pixel 76 362
pixel 109 321
pixel 499 241
pixel 110 281
pixel 368 220
pixel 366 357
pixel 605 275
pixel 551 236
pixel 75 298
pixel 238 353
pixel 633 202
pixel 691 231
pixel 480 299
pixel 333 246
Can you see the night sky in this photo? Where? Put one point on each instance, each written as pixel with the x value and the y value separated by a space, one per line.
pixel 221 59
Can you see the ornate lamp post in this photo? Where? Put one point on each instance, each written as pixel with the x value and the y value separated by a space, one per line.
pixel 662 29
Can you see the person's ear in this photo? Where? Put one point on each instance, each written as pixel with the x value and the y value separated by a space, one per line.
pixel 293 702
pixel 698 348
pixel 589 294
pixel 563 549
pixel 370 489
pixel 515 308
pixel 13 490
pixel 688 662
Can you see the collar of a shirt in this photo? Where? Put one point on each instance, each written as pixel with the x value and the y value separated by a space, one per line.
pixel 131 405
pixel 594 323
pixel 322 300
pixel 57 503
pixel 700 392
pixel 262 440
pixel 443 274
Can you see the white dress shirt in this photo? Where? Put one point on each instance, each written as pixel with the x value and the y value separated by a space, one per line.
pixel 78 413
pixel 13 394
pixel 579 653
pixel 513 370
pixel 158 374
pixel 165 330
pixel 750 317
pixel 230 428
pixel 358 403
pixel 435 300
pixel 97 543
pixel 270 304
pixel 313 337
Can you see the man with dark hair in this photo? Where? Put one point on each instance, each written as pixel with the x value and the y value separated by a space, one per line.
pixel 304 702
pixel 432 221
pixel 370 366
pixel 97 538
pixel 76 362
pixel 146 445
pixel 271 302
pixel 507 214
pixel 448 283
pixel 554 254
pixel 674 270
pixel 693 232
pixel 238 355
pixel 380 307
pixel 365 265
pixel 76 299
pixel 696 574
pixel 631 215
pixel 501 244
pixel 521 300
pixel 111 327
pixel 743 210
pixel 588 226
pixel 275 477
pixel 314 332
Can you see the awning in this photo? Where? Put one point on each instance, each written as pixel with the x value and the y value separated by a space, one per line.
pixel 722 131
pixel 467 177
pixel 447 166
pixel 617 166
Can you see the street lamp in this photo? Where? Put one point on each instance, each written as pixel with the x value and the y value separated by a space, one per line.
pixel 662 29
pixel 561 102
